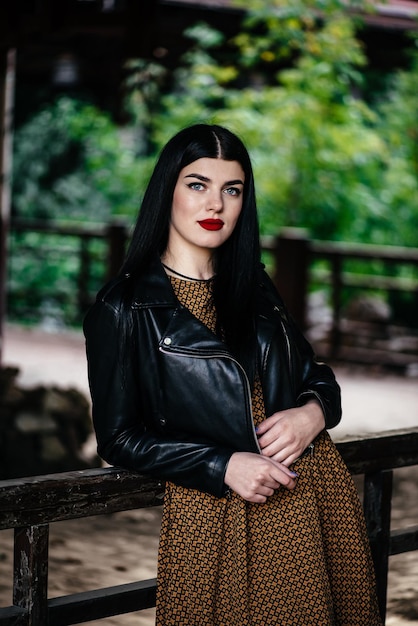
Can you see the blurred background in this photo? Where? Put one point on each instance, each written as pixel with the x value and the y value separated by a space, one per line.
pixel 323 93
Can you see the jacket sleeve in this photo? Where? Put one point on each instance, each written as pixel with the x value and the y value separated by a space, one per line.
pixel 311 378
pixel 318 381
pixel 124 436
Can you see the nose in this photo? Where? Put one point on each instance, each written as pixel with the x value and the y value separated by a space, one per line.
pixel 215 201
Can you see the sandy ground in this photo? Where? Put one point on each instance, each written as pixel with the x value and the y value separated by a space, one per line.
pixel 109 550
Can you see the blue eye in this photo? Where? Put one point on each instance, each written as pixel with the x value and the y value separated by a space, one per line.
pixel 233 191
pixel 196 186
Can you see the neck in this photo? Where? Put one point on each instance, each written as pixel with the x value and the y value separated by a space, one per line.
pixel 191 268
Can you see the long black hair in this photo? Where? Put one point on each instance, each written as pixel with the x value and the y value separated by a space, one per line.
pixel 236 261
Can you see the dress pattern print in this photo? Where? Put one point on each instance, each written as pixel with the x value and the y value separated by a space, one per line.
pixel 300 559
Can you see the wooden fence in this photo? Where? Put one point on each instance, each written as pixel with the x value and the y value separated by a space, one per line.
pixel 115 235
pixel 294 273
pixel 293 254
pixel 30 505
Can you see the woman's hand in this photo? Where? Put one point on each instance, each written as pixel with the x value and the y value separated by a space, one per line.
pixel 285 435
pixel 255 477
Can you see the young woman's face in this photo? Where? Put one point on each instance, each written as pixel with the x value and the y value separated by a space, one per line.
pixel 207 202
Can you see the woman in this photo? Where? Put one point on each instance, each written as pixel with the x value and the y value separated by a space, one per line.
pixel 199 376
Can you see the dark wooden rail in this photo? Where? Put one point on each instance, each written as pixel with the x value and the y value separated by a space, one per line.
pixel 293 270
pixel 294 273
pixel 30 505
pixel 115 234
pixel 294 252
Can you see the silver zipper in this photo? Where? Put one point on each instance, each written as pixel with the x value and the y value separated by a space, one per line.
pixel 224 355
pixel 289 355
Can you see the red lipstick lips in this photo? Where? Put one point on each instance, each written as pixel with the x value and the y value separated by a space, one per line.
pixel 211 224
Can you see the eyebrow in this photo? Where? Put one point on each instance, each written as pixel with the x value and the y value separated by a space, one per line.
pixel 205 179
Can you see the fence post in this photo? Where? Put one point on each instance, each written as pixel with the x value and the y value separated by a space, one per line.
pixel 7 81
pixel 83 300
pixel 336 287
pixel 117 237
pixel 30 585
pixel 292 252
pixel 377 509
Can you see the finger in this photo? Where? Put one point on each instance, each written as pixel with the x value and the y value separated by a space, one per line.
pixel 267 490
pixel 287 471
pixel 262 494
pixel 287 482
pixel 261 500
pixel 266 424
pixel 278 456
pixel 284 475
pixel 256 498
pixel 263 427
pixel 271 484
pixel 276 436
pixel 287 460
pixel 277 449
pixel 266 440
pixel 271 449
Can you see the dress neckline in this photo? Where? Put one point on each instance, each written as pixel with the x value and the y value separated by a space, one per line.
pixel 184 277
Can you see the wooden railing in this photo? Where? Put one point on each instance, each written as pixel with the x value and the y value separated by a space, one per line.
pixel 293 256
pixel 114 234
pixel 30 505
pixel 295 272
pixel 294 253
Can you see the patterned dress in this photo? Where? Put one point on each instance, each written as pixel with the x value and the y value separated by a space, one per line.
pixel 300 559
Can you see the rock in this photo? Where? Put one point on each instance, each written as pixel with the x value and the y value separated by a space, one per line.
pixel 368 309
pixel 42 429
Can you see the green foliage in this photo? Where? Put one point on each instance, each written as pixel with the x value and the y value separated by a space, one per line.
pixel 398 127
pixel 70 162
pixel 290 85
pixel 317 156
pixel 44 276
pixel 277 32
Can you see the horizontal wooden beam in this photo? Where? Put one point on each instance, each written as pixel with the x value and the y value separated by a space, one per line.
pixel 71 495
pixel 385 451
pixel 403 540
pixel 13 616
pixel 102 603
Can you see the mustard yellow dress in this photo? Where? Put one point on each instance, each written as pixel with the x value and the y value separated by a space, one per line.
pixel 301 559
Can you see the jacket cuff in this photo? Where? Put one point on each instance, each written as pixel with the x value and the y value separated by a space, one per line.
pixel 218 486
pixel 313 395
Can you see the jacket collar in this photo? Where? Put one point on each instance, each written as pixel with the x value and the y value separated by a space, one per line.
pixel 153 288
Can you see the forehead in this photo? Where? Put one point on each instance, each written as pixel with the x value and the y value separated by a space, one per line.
pixel 218 170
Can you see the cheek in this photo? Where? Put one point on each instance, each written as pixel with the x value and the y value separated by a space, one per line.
pixel 182 205
pixel 177 208
pixel 236 214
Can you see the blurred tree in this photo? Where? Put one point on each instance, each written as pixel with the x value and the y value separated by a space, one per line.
pixel 398 126
pixel 317 157
pixel 289 84
pixel 71 162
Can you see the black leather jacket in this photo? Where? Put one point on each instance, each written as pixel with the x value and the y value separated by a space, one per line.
pixel 181 405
